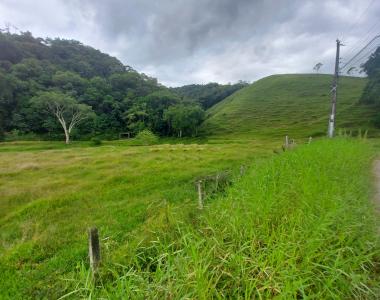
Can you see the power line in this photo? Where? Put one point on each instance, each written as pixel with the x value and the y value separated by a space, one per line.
pixel 361 51
pixel 365 56
pixel 365 11
pixel 365 53
pixel 365 38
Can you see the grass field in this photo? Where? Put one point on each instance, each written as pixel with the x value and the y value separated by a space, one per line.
pixel 51 193
pixel 296 226
pixel 295 105
pixel 299 224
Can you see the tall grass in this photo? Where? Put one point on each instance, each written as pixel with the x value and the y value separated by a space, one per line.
pixel 300 225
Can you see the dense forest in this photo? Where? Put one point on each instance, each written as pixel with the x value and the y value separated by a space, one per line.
pixel 51 87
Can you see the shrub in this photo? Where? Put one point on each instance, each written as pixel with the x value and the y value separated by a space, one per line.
pixel 146 137
pixel 96 141
pixel 376 120
pixel 2 135
pixel 17 135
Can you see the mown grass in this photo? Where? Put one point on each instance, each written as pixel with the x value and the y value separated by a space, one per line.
pixel 295 105
pixel 297 226
pixel 50 194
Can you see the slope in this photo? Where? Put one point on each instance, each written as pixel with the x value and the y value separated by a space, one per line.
pixel 295 105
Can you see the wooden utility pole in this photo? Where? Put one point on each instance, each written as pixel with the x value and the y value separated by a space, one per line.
pixel 334 89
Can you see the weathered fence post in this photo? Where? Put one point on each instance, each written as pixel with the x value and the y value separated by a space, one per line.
pixel 310 139
pixel 242 170
pixel 217 182
pixel 167 212
pixel 286 142
pixel 200 195
pixel 360 134
pixel 94 248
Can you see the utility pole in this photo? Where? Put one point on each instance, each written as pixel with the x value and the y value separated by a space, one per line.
pixel 334 89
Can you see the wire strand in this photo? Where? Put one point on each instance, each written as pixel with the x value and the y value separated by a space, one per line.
pixel 365 11
pixel 361 51
pixel 366 38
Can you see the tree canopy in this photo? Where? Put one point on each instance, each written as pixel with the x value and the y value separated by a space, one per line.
pixel 64 108
pixel 119 99
pixel 371 93
pixel 184 119
pixel 36 73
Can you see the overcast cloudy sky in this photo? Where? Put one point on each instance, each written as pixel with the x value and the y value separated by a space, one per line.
pixel 198 41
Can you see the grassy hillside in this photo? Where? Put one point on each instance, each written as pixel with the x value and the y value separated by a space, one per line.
pixel 295 105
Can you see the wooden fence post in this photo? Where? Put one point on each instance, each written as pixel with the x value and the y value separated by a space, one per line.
pixel 217 182
pixel 360 134
pixel 286 142
pixel 94 248
pixel 167 212
pixel 242 170
pixel 310 139
pixel 200 195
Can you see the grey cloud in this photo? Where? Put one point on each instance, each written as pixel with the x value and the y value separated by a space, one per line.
pixel 186 41
pixel 175 29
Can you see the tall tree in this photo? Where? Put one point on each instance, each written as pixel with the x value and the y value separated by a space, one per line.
pixel 64 108
pixel 371 93
pixel 184 119
pixel 317 67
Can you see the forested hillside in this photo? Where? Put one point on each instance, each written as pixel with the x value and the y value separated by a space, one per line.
pixel 107 97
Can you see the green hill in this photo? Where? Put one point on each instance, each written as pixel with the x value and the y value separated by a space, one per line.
pixel 295 105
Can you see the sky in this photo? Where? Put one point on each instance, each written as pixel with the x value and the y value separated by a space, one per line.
pixel 199 41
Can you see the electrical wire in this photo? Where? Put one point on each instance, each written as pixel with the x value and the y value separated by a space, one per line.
pixel 363 58
pixel 365 11
pixel 360 52
pixel 364 39
pixel 356 65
